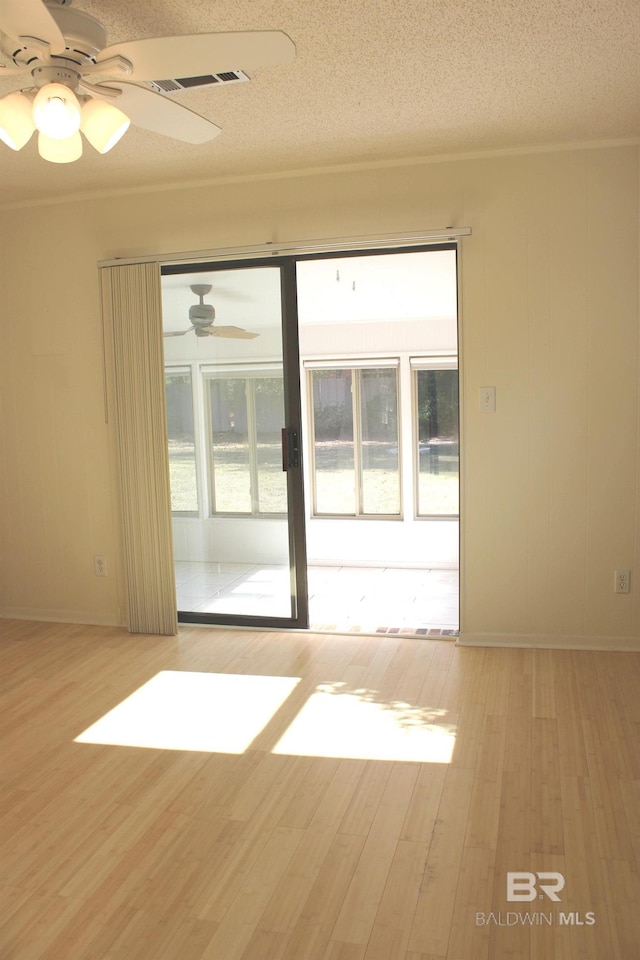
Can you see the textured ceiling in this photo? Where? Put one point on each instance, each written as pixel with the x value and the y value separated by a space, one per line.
pixel 373 80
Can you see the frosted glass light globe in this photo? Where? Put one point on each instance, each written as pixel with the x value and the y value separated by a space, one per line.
pixel 56 111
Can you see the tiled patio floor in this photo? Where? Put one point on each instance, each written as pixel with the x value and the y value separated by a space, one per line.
pixel 341 599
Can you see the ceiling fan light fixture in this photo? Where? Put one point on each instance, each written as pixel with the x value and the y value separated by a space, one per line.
pixel 56 111
pixel 60 151
pixel 16 120
pixel 66 53
pixel 103 124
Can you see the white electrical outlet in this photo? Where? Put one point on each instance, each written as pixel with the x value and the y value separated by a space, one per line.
pixel 623 581
pixel 100 566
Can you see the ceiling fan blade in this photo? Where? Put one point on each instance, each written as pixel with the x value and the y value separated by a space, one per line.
pixel 10 69
pixel 236 296
pixel 165 58
pixel 232 333
pixel 176 333
pixel 153 111
pixel 30 18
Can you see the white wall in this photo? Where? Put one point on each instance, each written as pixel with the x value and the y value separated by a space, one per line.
pixel 549 315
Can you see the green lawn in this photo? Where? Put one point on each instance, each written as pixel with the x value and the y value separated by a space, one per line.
pixel 334 481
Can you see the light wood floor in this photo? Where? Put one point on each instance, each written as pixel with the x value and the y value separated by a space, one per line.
pixel 141 853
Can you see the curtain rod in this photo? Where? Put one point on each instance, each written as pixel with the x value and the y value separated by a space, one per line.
pixel 274 248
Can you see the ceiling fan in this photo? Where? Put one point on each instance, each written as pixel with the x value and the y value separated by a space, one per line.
pixel 202 316
pixel 78 83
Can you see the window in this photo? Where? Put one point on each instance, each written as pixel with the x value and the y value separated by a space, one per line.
pixel 437 439
pixel 356 465
pixel 245 419
pixel 181 436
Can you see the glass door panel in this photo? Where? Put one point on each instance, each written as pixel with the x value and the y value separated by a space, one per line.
pixel 239 554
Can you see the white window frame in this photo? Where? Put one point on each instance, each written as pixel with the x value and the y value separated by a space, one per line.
pixel 248 373
pixel 354 364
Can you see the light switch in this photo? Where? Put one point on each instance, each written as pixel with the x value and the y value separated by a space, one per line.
pixel 488 399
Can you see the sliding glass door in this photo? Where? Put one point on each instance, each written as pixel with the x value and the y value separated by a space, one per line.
pixel 233 413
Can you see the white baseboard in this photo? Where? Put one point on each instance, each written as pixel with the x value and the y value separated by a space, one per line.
pixel 548 641
pixel 59 616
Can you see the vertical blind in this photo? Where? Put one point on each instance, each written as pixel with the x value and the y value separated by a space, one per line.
pixel 132 302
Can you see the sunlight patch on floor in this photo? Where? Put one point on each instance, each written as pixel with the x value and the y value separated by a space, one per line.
pixel 224 713
pixel 359 724
pixel 179 710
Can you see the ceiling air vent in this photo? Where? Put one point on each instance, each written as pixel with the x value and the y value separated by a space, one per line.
pixel 196 83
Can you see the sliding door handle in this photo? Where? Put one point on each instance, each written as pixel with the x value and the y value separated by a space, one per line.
pixel 290 449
